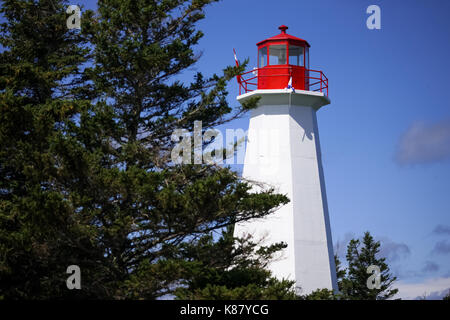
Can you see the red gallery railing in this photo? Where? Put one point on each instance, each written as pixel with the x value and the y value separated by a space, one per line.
pixel 318 79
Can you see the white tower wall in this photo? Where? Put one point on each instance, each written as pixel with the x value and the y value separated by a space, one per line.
pixel 283 151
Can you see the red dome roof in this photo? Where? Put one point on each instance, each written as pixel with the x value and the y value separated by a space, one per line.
pixel 284 36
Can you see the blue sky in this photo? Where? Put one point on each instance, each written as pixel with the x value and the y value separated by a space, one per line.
pixel 386 135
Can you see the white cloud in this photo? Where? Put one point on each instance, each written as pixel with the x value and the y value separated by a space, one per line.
pixel 393 251
pixel 442 247
pixel 430 266
pixel 434 288
pixel 441 229
pixel 425 143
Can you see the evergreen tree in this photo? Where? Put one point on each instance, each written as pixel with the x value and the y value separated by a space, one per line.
pixel 321 294
pixel 41 62
pixel 340 273
pixel 354 285
pixel 233 269
pixel 87 178
pixel 352 281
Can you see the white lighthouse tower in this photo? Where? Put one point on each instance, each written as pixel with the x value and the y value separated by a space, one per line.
pixel 283 151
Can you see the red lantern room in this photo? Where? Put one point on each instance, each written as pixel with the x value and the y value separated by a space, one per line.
pixel 280 59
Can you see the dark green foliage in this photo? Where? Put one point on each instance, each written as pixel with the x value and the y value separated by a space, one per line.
pixel 322 294
pixel 352 282
pixel 85 130
pixel 231 269
pixel 39 234
pixel 340 273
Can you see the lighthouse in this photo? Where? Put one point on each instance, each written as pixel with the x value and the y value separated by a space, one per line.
pixel 283 152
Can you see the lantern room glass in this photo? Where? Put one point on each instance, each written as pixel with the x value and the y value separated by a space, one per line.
pixel 277 54
pixel 262 57
pixel 296 55
pixel 307 58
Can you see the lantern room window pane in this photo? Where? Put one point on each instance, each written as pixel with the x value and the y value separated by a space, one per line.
pixel 262 57
pixel 307 58
pixel 277 55
pixel 296 55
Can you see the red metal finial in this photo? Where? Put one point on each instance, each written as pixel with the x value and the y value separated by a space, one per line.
pixel 283 28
